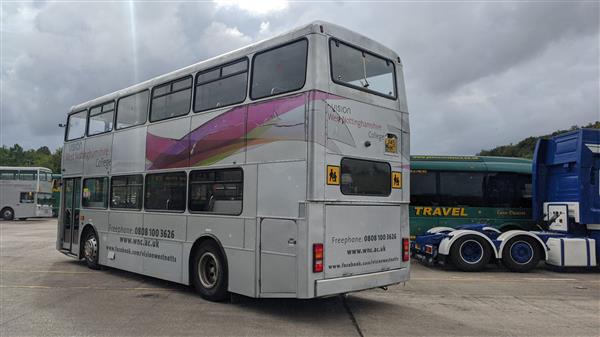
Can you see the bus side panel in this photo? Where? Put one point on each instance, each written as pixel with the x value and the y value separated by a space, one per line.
pixel 281 202
pixel 218 137
pixel 168 144
pixel 276 130
pixel 230 232
pixel 162 245
pixel 316 146
pixel 117 248
pixel 72 157
pixel 129 148
pixel 98 155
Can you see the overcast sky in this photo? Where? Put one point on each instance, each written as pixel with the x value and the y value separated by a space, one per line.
pixel 477 74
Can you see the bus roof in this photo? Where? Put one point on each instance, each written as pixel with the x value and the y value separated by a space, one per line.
pixel 471 163
pixel 315 27
pixel 25 168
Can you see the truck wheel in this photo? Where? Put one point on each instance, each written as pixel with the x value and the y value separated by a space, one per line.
pixel 470 253
pixel 521 254
pixel 209 272
pixel 8 214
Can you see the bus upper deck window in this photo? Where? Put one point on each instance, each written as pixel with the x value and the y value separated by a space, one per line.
pixel 76 125
pixel 279 70
pixel 132 110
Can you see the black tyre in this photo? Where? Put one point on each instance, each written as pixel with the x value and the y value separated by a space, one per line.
pixel 521 254
pixel 90 249
pixel 8 214
pixel 470 253
pixel 209 272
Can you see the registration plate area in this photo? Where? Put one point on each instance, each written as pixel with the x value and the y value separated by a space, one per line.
pixel 361 239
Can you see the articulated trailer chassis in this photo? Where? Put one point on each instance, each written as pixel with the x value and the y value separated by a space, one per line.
pixel 566 198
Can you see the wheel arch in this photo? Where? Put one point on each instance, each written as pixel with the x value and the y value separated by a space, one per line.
pixel 510 226
pixel 434 230
pixel 506 236
pixel 447 243
pixel 200 240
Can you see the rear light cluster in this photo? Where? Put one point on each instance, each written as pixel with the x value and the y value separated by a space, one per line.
pixel 405 250
pixel 317 258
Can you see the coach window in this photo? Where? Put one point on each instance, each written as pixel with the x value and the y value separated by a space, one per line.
pixel 462 189
pixel 126 192
pixel 423 190
pixel 362 70
pixel 165 191
pixel 220 87
pixel 217 191
pixel 101 119
pixel 132 110
pixel 171 99
pixel 27 175
pixel 279 70
pixel 504 189
pixel 8 175
pixel 76 125
pixel 95 193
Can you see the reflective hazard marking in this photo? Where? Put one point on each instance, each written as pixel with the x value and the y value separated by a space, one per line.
pixel 333 175
pixel 396 180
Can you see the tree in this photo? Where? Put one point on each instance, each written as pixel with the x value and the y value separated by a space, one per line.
pixel 525 148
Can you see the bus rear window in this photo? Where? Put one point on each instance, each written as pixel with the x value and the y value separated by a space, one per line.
pixel 362 70
pixel 365 177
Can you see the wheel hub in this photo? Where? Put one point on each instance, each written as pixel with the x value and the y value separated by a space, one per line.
pixel 471 251
pixel 90 249
pixel 521 252
pixel 208 270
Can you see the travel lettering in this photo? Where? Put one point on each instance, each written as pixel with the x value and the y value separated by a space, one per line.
pixel 440 211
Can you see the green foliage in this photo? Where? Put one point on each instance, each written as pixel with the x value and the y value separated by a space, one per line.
pixel 524 148
pixel 16 156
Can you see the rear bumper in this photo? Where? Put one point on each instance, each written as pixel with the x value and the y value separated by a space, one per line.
pixel 360 282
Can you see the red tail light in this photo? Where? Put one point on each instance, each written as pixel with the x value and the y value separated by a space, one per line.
pixel 405 250
pixel 317 258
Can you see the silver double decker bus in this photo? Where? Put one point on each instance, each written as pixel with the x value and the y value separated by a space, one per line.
pixel 280 169
pixel 25 192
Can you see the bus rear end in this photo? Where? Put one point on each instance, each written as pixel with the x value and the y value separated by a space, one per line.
pixel 358 186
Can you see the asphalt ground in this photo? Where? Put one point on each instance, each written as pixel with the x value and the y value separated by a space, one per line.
pixel 44 293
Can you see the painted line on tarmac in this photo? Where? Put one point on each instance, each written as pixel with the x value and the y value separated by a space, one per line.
pixel 45 271
pixel 20 286
pixel 482 279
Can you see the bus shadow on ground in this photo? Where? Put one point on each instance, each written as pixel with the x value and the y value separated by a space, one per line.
pixel 308 310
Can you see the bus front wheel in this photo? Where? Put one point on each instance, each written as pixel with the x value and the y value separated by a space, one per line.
pixel 8 214
pixel 209 272
pixel 90 249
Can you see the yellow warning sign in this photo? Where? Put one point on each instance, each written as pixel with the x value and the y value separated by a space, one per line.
pixel 391 144
pixel 396 180
pixel 333 175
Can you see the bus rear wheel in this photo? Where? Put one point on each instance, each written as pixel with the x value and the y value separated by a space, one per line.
pixel 470 253
pixel 209 272
pixel 521 254
pixel 8 214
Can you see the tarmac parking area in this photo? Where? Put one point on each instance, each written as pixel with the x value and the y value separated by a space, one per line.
pixel 44 293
